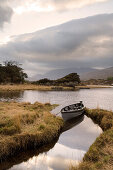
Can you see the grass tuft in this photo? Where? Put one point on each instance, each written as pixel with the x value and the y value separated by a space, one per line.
pixel 24 126
pixel 100 153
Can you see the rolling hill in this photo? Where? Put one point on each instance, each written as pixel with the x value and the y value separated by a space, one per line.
pixel 85 73
pixel 98 74
pixel 59 73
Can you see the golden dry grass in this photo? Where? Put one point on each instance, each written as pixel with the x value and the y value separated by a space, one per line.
pixel 100 154
pixel 25 125
pixel 17 87
pixel 20 87
pixel 93 86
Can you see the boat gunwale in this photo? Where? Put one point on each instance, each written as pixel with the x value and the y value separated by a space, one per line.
pixel 80 110
pixel 71 111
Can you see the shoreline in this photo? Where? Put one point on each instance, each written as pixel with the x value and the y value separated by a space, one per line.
pixel 94 86
pixel 100 153
pixel 25 126
pixel 22 87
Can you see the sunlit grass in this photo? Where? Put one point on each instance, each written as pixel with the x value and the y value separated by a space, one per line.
pixel 17 87
pixel 100 154
pixel 25 125
pixel 20 87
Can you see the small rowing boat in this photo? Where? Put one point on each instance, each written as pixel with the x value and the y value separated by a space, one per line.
pixel 71 111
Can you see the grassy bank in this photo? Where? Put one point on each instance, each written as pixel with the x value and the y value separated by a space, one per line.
pixel 100 154
pixel 26 155
pixel 93 86
pixel 20 87
pixel 24 126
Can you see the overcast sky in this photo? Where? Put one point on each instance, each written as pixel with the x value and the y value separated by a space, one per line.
pixel 50 34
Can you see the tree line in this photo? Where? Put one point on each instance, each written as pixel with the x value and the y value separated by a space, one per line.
pixel 11 72
pixel 70 80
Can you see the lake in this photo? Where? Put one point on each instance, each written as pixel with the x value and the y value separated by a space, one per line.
pixel 74 142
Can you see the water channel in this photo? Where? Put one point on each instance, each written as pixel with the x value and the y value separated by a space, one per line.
pixel 74 142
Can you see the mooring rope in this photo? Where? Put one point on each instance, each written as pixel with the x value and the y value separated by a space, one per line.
pixel 57 113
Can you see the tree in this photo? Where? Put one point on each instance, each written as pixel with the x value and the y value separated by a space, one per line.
pixel 69 80
pixel 11 72
pixel 110 78
pixel 44 81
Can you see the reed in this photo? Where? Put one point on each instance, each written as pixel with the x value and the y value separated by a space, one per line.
pixel 25 126
pixel 100 154
pixel 21 87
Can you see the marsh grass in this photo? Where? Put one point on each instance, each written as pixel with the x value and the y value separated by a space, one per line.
pixel 18 87
pixel 21 87
pixel 24 126
pixel 100 154
pixel 101 117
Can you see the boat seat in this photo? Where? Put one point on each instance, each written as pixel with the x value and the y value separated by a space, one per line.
pixel 71 107
pixel 66 108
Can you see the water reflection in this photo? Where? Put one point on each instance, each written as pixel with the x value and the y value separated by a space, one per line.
pixel 92 98
pixel 60 157
pixel 27 155
pixel 50 161
pixel 77 135
pixel 69 149
pixel 81 136
pixel 10 95
pixel 72 122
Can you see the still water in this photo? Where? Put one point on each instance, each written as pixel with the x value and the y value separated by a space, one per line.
pixel 74 142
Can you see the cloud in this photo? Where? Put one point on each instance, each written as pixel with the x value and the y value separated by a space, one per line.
pixel 5 12
pixel 68 4
pixel 83 42
pixel 8 7
pixel 50 5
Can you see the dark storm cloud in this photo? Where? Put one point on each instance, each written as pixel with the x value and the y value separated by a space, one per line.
pixel 82 42
pixel 5 12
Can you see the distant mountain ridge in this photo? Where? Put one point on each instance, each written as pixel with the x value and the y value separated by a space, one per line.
pixel 98 74
pixel 59 73
pixel 85 73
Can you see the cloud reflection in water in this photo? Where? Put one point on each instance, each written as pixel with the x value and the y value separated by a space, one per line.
pixel 60 157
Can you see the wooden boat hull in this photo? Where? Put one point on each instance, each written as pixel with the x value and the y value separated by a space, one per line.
pixel 69 115
pixel 72 111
